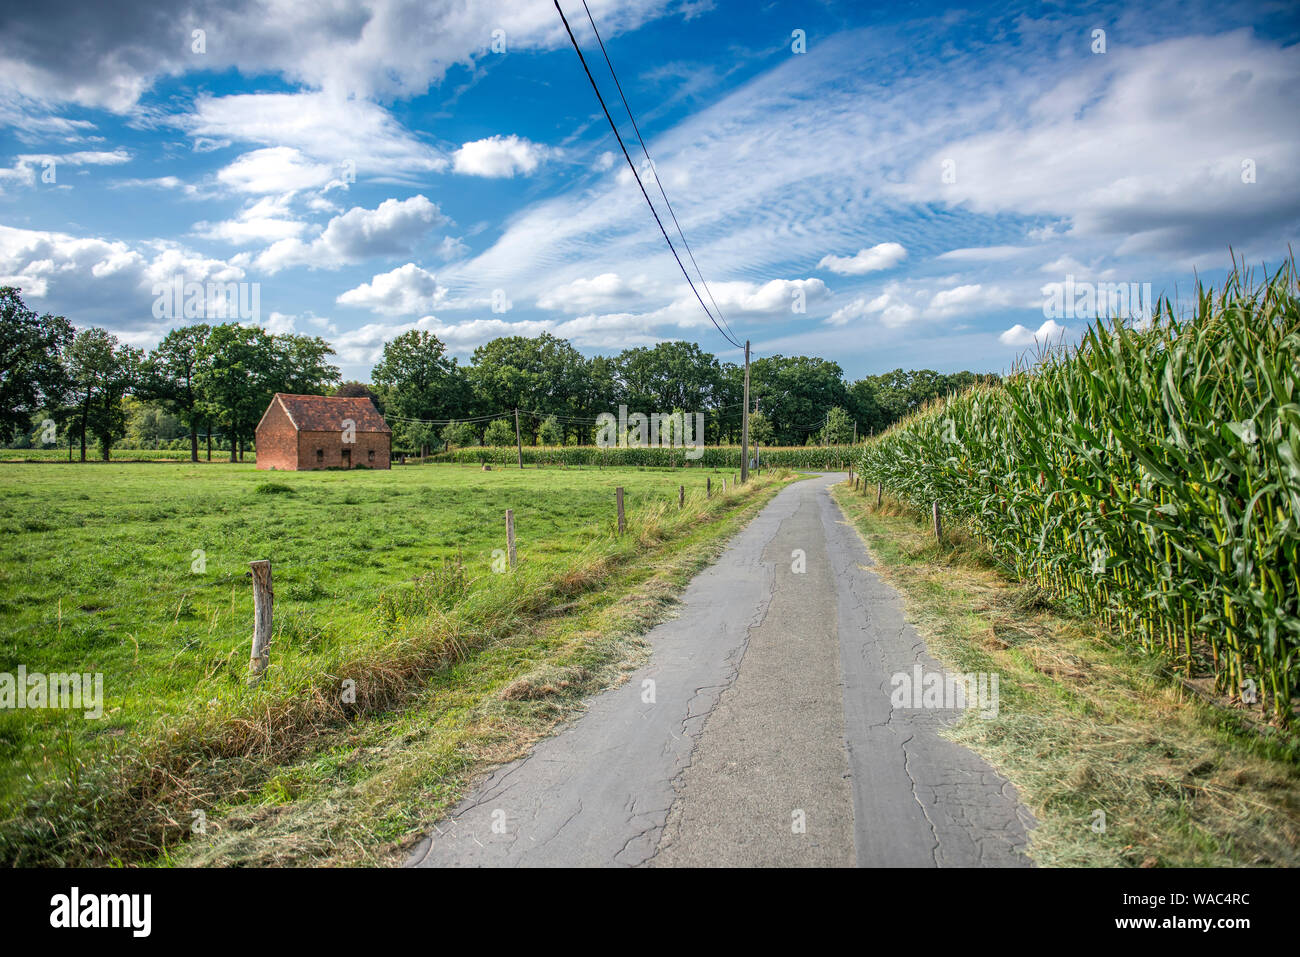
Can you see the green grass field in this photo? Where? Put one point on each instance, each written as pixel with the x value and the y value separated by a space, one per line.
pixel 139 573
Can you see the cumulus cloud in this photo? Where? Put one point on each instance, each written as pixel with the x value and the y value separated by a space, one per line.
pixel 605 291
pixel 268 219
pixel 499 156
pixel 389 229
pixel 97 281
pixel 406 290
pixel 1020 336
pixel 276 169
pixel 878 257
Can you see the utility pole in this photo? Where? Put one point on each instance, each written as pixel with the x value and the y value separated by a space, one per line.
pixel 744 425
pixel 518 441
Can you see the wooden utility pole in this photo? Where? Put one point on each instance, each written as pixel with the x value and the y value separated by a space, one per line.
pixel 744 425
pixel 519 444
pixel 263 599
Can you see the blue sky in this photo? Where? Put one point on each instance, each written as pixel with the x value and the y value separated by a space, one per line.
pixel 913 179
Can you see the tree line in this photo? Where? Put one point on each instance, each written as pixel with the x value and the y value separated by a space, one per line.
pixel 212 378
pixel 219 379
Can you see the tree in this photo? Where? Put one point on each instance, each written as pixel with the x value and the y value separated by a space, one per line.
pixel 541 374
pixel 32 372
pixel 237 378
pixel 500 432
pixel 299 365
pixel 760 429
pixel 101 372
pixel 838 429
pixel 549 432
pixel 169 375
pixel 418 380
pixel 460 433
pixel 670 375
pixel 361 390
pixel 796 393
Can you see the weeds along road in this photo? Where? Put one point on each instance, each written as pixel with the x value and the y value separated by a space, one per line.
pixel 759 733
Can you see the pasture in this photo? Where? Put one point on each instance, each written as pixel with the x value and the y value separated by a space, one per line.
pixel 138 572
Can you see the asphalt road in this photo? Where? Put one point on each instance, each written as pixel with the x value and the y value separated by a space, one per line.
pixel 761 733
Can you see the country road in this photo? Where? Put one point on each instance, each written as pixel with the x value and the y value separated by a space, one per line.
pixel 760 733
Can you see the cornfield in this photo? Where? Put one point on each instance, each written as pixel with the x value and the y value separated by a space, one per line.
pixel 816 457
pixel 1152 474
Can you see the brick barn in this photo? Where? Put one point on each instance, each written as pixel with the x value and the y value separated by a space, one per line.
pixel 302 432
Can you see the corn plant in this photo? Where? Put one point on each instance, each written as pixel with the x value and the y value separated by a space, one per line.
pixel 1152 474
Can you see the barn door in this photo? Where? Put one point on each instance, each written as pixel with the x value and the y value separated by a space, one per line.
pixel 347 458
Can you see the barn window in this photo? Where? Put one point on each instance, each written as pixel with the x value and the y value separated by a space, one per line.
pixel 320 455
pixel 371 455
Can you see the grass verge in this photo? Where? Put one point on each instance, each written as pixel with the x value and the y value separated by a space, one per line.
pixel 1085 726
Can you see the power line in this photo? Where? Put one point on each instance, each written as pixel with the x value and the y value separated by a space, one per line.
pixel 655 171
pixel 592 80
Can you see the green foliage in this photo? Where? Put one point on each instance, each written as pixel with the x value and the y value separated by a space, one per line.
pixel 100 371
pixel 550 432
pixel 499 432
pixel 32 375
pixel 838 429
pixel 1153 474
pixel 814 458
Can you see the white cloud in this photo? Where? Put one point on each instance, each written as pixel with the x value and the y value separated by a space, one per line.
pixel 984 253
pixel 325 137
pixel 951 300
pixel 890 306
pixel 1018 335
pixel 24 170
pixel 605 291
pixel 389 229
pixel 265 220
pixel 382 49
pixel 878 257
pixel 499 156
pixel 276 169
pixel 407 290
pixel 102 282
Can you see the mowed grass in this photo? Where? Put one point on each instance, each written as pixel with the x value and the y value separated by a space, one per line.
pixel 1085 723
pixel 101 572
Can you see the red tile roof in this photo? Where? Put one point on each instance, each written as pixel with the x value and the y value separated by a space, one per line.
pixel 325 413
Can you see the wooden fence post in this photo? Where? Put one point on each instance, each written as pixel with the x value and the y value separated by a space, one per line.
pixel 263 598
pixel 938 528
pixel 880 491
pixel 510 535
pixel 681 496
pixel 622 524
pixel 708 486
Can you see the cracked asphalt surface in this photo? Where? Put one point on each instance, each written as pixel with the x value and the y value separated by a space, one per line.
pixel 760 733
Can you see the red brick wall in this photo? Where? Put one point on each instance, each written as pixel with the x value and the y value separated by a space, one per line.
pixel 277 441
pixel 331 448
